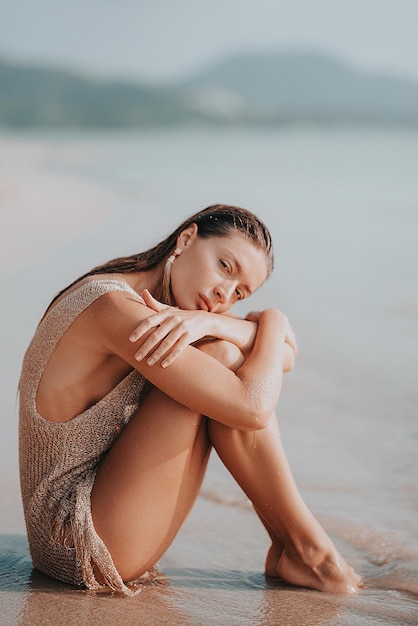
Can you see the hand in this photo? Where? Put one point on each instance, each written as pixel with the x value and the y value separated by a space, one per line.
pixel 174 330
pixel 289 358
pixel 290 344
pixel 290 339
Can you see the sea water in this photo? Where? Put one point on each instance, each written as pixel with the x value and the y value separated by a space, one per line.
pixel 342 205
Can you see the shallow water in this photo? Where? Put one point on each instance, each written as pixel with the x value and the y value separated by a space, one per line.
pixel 343 209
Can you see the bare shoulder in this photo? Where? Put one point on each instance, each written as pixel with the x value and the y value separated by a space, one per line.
pixel 118 310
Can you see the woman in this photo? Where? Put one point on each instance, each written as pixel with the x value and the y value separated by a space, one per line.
pixel 123 394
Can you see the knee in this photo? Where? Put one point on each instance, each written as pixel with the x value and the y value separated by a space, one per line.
pixel 226 438
pixel 225 352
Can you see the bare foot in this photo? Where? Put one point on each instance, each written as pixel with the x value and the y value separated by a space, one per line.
pixel 330 573
pixel 272 560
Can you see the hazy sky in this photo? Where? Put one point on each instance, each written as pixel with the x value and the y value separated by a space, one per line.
pixel 164 39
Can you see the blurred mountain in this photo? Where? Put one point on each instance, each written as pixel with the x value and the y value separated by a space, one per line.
pixel 252 89
pixel 297 86
pixel 37 96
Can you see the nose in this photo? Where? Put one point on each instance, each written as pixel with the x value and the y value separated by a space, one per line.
pixel 225 291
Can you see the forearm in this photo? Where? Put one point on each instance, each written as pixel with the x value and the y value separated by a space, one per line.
pixel 238 331
pixel 242 333
pixel 262 371
pixel 241 398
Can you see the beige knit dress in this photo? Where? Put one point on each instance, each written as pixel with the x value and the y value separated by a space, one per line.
pixel 58 460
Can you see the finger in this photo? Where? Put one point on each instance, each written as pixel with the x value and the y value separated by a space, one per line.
pixel 291 338
pixel 252 316
pixel 166 347
pixel 295 344
pixel 177 350
pixel 165 334
pixel 147 324
pixel 152 302
pixel 292 343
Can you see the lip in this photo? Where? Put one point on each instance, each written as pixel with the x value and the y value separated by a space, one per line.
pixel 205 303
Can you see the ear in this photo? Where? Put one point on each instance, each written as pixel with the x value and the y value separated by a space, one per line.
pixel 187 236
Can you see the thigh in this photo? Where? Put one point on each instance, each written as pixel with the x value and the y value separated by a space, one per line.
pixel 148 482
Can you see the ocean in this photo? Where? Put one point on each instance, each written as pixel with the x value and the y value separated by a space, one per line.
pixel 342 205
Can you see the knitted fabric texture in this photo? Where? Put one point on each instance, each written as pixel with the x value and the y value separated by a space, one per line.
pixel 58 460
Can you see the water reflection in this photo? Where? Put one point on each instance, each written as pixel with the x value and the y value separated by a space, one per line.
pixel 197 596
pixel 236 597
pixel 28 598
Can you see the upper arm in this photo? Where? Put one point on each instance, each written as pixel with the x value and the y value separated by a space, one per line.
pixel 194 379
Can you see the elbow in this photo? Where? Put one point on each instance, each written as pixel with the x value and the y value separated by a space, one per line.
pixel 257 418
pixel 258 401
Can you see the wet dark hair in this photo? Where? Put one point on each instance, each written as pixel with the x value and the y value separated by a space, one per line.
pixel 218 220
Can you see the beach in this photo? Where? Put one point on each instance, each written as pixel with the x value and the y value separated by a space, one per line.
pixel 342 205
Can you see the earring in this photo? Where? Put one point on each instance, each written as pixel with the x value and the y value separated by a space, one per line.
pixel 165 288
pixel 173 256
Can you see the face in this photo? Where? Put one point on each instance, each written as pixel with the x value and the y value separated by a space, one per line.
pixel 214 273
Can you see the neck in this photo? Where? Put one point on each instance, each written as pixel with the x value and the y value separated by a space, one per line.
pixel 149 279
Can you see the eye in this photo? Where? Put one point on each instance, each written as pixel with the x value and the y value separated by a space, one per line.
pixel 225 265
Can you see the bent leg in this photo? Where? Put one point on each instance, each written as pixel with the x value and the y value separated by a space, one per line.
pixel 301 553
pixel 148 482
pixel 150 478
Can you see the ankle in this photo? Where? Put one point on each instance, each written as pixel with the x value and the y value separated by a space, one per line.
pixel 313 552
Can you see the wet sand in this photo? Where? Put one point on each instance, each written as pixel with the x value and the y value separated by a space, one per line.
pixel 211 575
